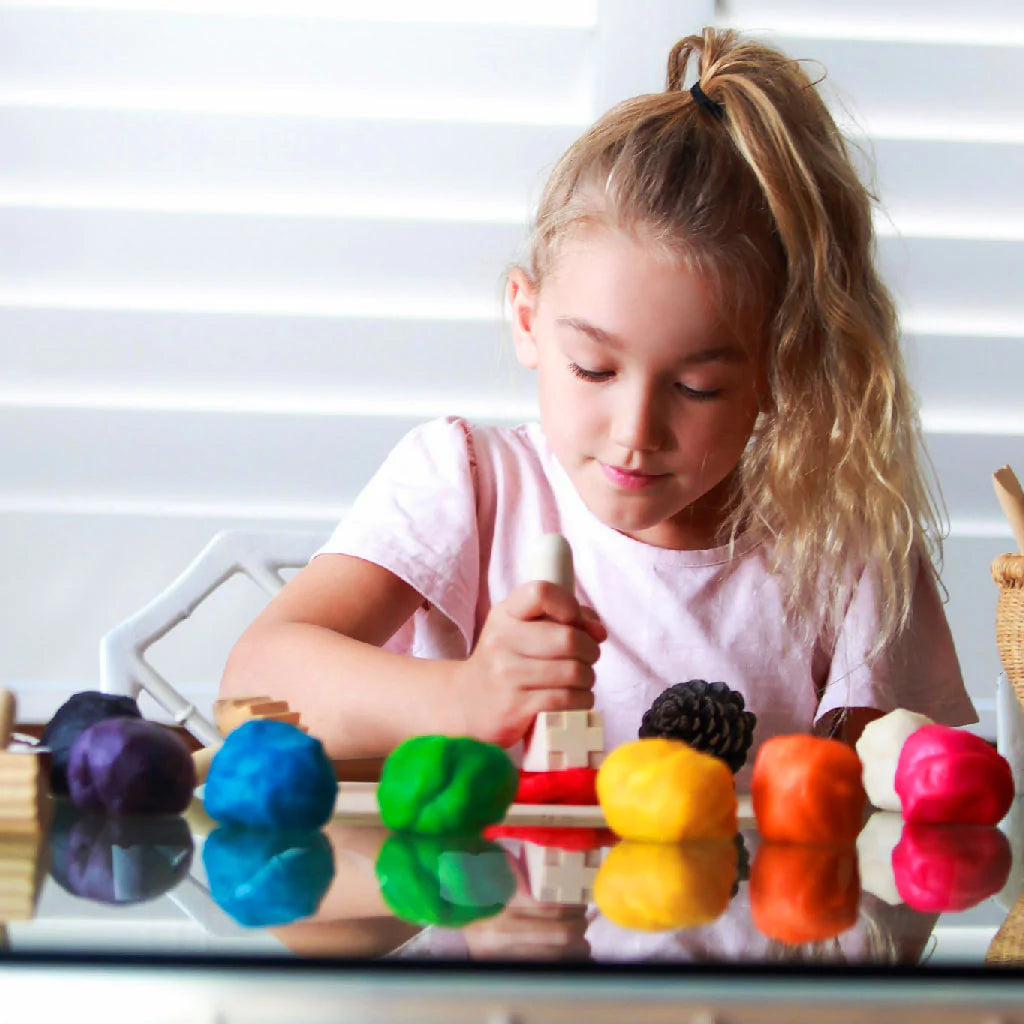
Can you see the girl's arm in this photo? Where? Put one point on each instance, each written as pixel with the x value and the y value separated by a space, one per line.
pixel 846 724
pixel 317 645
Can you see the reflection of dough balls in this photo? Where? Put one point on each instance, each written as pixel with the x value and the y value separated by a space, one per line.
pixel 71 719
pixel 130 766
pixel 879 749
pixel 877 839
pixel 118 860
pixel 267 877
pixel 444 880
pixel 270 774
pixel 654 887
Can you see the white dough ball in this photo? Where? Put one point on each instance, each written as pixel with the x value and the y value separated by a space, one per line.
pixel 879 749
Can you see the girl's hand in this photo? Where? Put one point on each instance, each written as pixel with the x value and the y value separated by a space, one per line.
pixel 528 930
pixel 536 653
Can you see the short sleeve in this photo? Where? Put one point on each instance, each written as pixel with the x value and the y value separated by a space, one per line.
pixel 919 671
pixel 417 519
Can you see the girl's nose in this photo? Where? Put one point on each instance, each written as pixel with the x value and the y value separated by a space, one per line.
pixel 637 421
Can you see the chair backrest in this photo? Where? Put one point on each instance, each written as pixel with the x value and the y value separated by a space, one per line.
pixel 259 554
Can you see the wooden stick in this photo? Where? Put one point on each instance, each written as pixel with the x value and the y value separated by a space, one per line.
pixel 1011 498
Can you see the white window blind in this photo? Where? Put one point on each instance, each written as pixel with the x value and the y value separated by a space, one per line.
pixel 247 245
pixel 934 94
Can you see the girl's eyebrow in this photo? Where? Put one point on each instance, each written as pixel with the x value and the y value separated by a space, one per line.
pixel 717 353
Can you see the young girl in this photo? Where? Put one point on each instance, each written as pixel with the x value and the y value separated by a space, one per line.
pixel 726 439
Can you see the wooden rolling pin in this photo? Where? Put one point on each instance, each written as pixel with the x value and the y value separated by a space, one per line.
pixel 1011 498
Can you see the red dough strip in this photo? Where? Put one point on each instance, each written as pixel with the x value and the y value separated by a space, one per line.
pixel 558 836
pixel 565 786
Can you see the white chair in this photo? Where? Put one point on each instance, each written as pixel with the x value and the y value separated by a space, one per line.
pixel 258 554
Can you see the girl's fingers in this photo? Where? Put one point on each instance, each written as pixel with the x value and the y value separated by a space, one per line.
pixel 591 622
pixel 561 699
pixel 552 641
pixel 539 599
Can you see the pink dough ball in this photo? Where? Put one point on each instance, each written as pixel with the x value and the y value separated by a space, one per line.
pixel 948 776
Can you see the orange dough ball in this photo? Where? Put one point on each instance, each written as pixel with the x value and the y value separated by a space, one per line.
pixel 664 791
pixel 807 790
pixel 804 893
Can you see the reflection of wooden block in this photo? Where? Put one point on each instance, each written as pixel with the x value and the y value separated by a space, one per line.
pixel 562 876
pixel 22 867
pixel 565 739
pixel 229 714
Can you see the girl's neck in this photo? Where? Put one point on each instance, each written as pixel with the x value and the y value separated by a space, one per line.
pixel 706 523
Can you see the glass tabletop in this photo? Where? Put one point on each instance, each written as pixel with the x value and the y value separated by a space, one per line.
pixel 548 907
pixel 549 886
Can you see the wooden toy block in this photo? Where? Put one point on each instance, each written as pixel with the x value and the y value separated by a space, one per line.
pixel 562 876
pixel 565 739
pixel 24 786
pixel 230 713
pixel 202 759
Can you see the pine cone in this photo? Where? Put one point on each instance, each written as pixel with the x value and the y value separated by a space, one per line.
pixel 708 716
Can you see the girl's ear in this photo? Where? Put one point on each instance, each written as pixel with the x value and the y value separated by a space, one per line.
pixel 522 300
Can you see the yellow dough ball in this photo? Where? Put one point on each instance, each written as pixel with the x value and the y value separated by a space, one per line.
pixel 664 791
pixel 655 887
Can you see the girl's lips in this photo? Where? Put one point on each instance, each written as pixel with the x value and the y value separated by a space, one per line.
pixel 630 481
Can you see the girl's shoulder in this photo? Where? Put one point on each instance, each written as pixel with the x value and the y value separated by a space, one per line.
pixel 492 452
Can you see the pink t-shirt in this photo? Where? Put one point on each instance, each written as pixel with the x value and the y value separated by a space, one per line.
pixel 456 506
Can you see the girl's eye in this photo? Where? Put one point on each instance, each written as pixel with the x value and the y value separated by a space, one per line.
pixel 599 376
pixel 591 375
pixel 699 396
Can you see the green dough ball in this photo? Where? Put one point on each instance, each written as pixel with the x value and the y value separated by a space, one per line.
pixel 448 881
pixel 440 784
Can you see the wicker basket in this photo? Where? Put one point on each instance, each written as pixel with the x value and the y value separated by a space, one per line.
pixel 1008 572
pixel 1007 945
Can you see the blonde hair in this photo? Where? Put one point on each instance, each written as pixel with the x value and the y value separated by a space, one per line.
pixel 755 190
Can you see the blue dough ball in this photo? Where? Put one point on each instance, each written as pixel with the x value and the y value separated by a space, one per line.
pixel 130 766
pixel 270 775
pixel 265 878
pixel 71 719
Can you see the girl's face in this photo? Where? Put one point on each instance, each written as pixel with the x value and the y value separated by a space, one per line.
pixel 646 398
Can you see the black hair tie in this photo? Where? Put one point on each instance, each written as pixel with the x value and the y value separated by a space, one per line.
pixel 705 102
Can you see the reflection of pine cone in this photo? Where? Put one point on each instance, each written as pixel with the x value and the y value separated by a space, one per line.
pixel 742 862
pixel 708 716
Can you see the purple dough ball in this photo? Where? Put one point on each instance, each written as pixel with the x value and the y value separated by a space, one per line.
pixel 130 766
pixel 71 719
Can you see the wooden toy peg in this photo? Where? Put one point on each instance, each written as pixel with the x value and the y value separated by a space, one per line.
pixel 6 718
pixel 561 739
pixel 551 560
pixel 1011 498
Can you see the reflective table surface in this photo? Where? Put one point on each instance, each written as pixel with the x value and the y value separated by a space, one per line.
pixel 547 917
